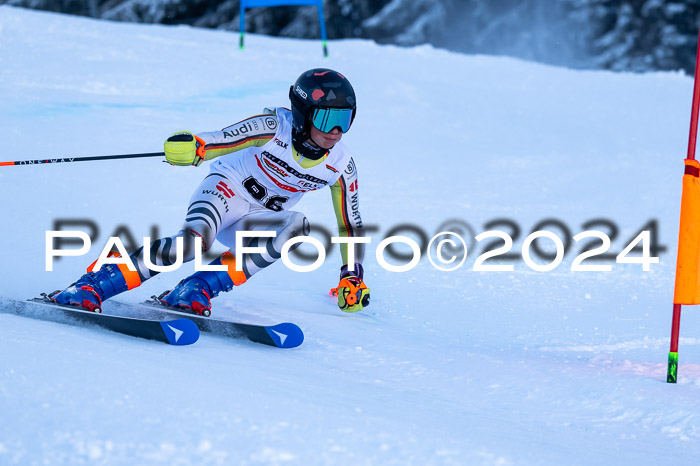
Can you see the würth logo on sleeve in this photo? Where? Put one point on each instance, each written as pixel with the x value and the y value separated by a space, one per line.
pixel 225 190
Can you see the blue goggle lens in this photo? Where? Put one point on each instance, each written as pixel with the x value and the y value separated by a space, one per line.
pixel 325 119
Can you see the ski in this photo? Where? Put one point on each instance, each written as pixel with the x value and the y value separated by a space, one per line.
pixel 180 331
pixel 285 335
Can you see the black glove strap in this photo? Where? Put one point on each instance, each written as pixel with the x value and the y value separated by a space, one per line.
pixel 181 137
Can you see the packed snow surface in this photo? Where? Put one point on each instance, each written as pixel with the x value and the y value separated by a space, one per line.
pixel 519 367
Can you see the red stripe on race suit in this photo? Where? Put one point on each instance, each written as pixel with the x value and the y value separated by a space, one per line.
pixel 286 187
pixel 237 143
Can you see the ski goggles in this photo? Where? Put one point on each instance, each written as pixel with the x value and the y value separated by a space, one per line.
pixel 325 119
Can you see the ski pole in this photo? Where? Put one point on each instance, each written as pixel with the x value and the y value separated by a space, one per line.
pixel 83 159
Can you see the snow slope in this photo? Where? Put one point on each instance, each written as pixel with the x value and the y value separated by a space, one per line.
pixel 465 367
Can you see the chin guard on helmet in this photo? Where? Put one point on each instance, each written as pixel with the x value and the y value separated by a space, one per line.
pixel 304 147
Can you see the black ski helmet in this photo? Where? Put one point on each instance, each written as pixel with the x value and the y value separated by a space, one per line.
pixel 319 88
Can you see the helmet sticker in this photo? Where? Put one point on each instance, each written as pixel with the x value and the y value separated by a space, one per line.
pixel 301 92
pixel 317 94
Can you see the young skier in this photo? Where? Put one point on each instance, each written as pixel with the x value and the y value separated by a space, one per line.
pixel 263 165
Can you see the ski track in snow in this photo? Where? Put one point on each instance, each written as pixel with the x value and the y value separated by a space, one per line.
pixel 478 368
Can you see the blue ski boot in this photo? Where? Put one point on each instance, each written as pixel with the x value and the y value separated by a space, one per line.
pixel 194 293
pixel 94 287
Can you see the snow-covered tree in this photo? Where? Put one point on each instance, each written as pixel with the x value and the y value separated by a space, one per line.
pixel 632 35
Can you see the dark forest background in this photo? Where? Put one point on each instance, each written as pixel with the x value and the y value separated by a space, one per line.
pixel 632 35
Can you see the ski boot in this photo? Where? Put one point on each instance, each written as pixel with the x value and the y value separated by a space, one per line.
pixel 195 292
pixel 94 287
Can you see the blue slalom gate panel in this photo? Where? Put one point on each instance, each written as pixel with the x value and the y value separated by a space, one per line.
pixel 266 3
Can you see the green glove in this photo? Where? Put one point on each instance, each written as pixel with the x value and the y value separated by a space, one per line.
pixel 184 148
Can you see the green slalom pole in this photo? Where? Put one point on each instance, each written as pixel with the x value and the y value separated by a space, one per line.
pixel 672 373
